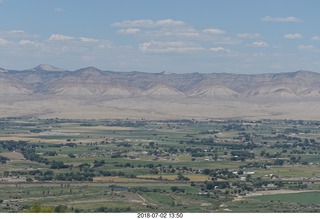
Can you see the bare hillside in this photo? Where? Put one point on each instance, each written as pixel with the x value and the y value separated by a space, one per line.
pixel 92 93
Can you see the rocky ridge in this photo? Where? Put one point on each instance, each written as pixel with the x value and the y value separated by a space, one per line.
pixel 51 92
pixel 50 80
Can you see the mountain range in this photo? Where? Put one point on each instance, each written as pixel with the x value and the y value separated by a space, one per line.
pixel 50 91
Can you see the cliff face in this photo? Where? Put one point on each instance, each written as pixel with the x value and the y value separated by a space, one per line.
pixel 193 94
pixel 49 80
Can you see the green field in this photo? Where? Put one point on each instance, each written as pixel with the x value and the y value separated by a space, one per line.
pixel 312 198
pixel 158 166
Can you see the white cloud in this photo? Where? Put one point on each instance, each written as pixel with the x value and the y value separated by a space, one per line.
pixel 281 19
pixel 219 49
pixel 69 43
pixel 169 23
pixel 249 35
pixel 59 10
pixel 183 33
pixel 311 48
pixel 149 23
pixel 26 42
pixel 60 37
pixel 259 44
pixel 315 38
pixel 104 45
pixel 306 46
pixel 30 43
pixel 171 32
pixel 17 34
pixel 134 23
pixel 293 36
pixel 164 47
pixel 225 41
pixel 3 41
pixel 129 30
pixel 214 31
pixel 87 40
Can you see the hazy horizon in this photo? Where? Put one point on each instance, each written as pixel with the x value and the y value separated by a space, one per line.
pixel 157 72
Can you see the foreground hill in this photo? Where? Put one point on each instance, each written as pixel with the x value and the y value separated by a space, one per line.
pixel 92 93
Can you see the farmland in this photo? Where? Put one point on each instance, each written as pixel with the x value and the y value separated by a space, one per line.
pixel 159 165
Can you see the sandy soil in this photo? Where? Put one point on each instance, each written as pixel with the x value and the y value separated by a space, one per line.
pixel 272 192
pixel 162 108
pixel 13 155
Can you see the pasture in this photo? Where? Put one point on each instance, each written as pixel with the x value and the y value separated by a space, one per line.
pixel 158 166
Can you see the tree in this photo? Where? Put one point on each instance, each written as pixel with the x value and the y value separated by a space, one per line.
pixel 177 189
pixel 278 162
pixel 181 177
pixel 71 155
pixel 60 209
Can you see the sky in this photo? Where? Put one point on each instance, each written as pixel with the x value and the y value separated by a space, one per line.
pixel 179 36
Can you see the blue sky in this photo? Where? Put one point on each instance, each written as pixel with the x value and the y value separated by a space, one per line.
pixel 182 36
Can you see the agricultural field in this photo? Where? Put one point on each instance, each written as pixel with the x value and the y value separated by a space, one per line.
pixel 64 165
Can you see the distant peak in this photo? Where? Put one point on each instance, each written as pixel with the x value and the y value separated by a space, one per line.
pixel 303 71
pixel 2 70
pixel 46 67
pixel 90 69
pixel 166 73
